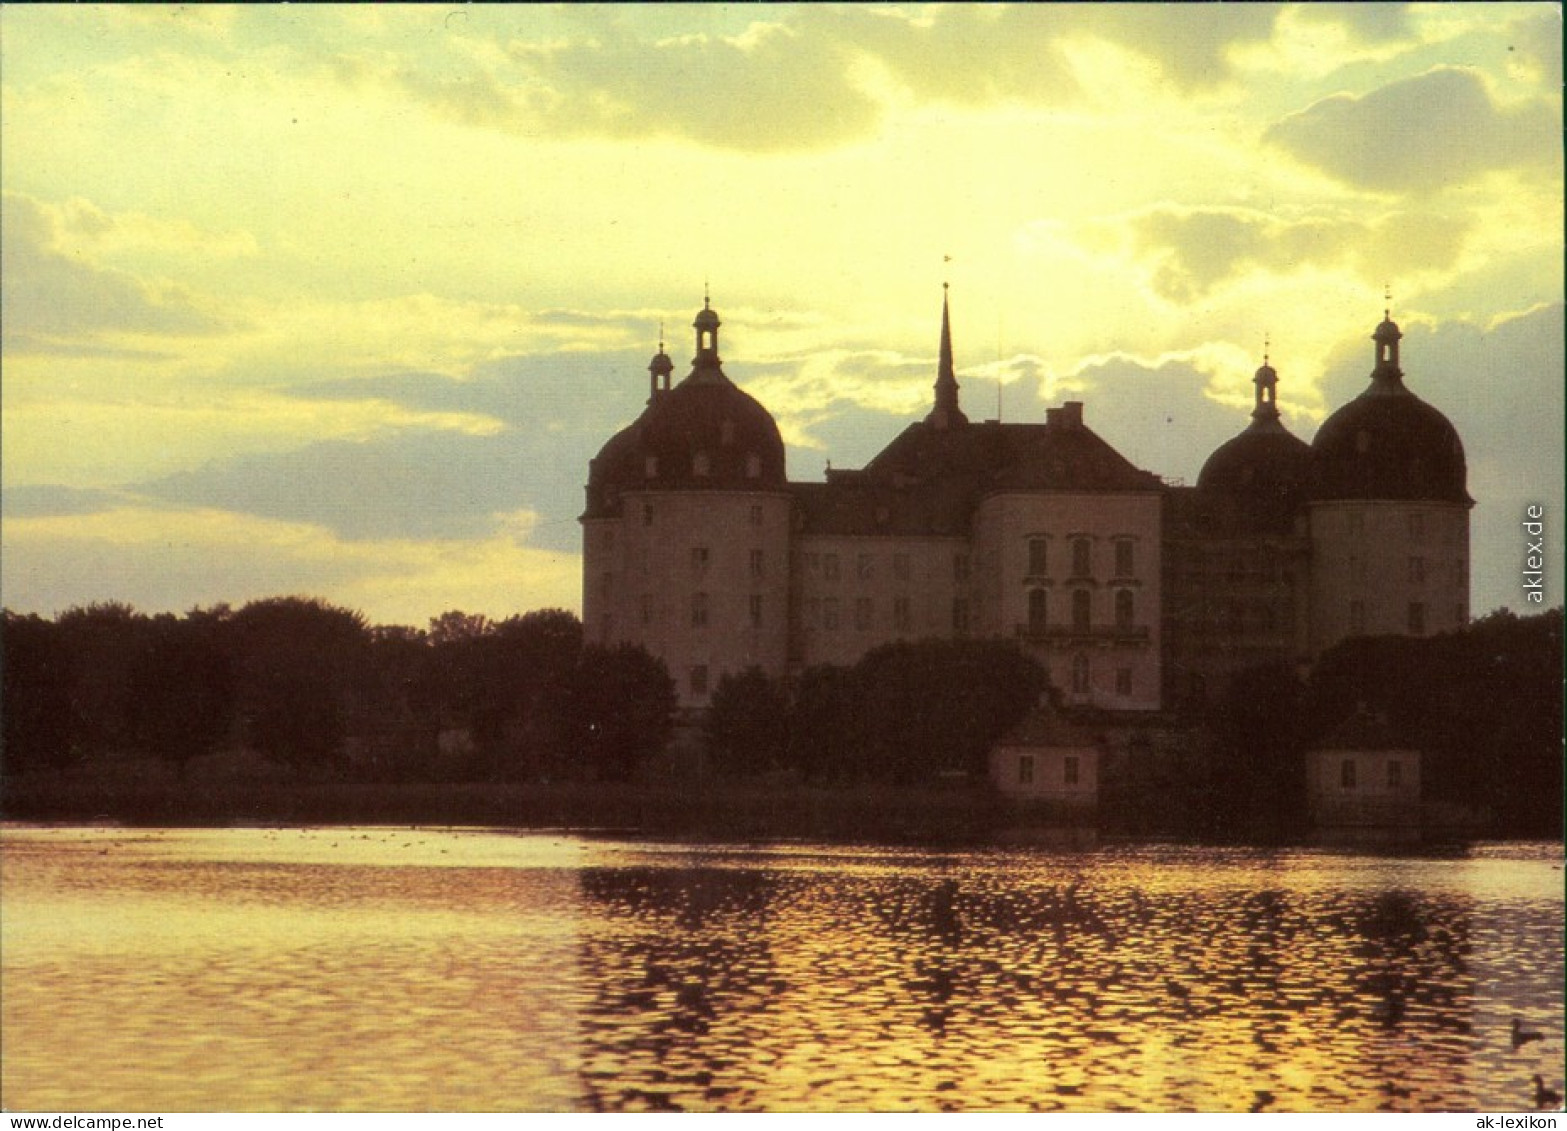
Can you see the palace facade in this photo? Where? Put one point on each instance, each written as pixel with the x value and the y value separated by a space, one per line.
pixel 1136 594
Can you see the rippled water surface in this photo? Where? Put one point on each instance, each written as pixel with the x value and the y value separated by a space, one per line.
pixel 397 969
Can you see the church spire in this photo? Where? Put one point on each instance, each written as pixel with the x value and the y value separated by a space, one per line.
pixel 946 414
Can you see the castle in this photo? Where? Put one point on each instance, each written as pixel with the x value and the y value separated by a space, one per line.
pixel 1136 594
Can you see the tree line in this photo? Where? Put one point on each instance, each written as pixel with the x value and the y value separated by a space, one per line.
pixel 315 687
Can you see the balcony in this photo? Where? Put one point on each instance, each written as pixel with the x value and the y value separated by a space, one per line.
pixel 1129 634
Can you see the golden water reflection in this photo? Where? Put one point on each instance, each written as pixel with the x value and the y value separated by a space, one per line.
pixel 396 969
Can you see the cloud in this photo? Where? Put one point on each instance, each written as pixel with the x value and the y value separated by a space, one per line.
pixel 1419 135
pixel 415 485
pixel 52 299
pixel 1197 249
pixel 800 78
pixel 49 499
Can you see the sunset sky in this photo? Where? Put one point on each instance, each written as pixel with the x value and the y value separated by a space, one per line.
pixel 341 301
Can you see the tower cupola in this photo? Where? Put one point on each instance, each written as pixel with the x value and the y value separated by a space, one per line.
pixel 659 369
pixel 1267 382
pixel 706 326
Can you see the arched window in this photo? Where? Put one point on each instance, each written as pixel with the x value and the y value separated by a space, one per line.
pixel 1080 674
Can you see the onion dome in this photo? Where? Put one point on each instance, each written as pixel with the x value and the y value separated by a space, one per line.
pixel 706 433
pixel 1387 443
pixel 1264 469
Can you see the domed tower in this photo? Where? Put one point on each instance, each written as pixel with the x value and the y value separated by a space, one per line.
pixel 1389 513
pixel 1237 595
pixel 686 531
pixel 1263 471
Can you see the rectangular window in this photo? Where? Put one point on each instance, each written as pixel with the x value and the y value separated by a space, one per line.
pixel 699 610
pixel 647 608
pixel 607 584
pixel 862 613
pixel 1080 675
pixel 1069 769
pixel 699 680
pixel 1123 681
pixel 1395 774
pixel 1025 769
pixel 756 516
pixel 1357 568
pixel 960 615
pixel 1417 571
pixel 1123 557
pixel 830 613
pixel 1082 557
pixel 813 564
pixel 900 566
pixel 647 514
pixel 900 613
pixel 1357 523
pixel 813 612
pixel 830 567
pixel 1346 773
pixel 1417 527
pixel 1417 618
pixel 1357 617
pixel 756 610
pixel 699 560
pixel 865 567
pixel 757 563
pixel 1082 608
pixel 960 567
pixel 1038 557
pixel 607 630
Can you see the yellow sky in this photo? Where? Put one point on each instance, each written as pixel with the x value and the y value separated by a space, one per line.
pixel 341 300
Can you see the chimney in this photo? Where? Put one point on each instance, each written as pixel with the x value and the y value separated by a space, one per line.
pixel 1072 414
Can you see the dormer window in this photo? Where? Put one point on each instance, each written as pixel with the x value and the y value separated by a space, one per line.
pixel 726 432
pixel 700 464
pixel 753 466
pixel 650 467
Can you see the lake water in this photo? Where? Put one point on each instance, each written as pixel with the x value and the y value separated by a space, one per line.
pixel 417 969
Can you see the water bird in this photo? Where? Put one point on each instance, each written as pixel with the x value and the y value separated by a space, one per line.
pixel 1543 1096
pixel 1522 1036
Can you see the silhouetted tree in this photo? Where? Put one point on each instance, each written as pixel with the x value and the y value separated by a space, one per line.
pixel 934 706
pixel 107 642
pixel 747 724
pixel 299 665
pixel 1254 787
pixel 612 711
pixel 41 726
pixel 824 732
pixel 182 703
pixel 1484 705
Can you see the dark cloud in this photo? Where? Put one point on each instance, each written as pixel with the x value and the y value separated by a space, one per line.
pixel 1419 135
pixel 1369 23
pixel 1201 248
pixel 413 485
pixel 53 301
pixel 47 500
pixel 1160 418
